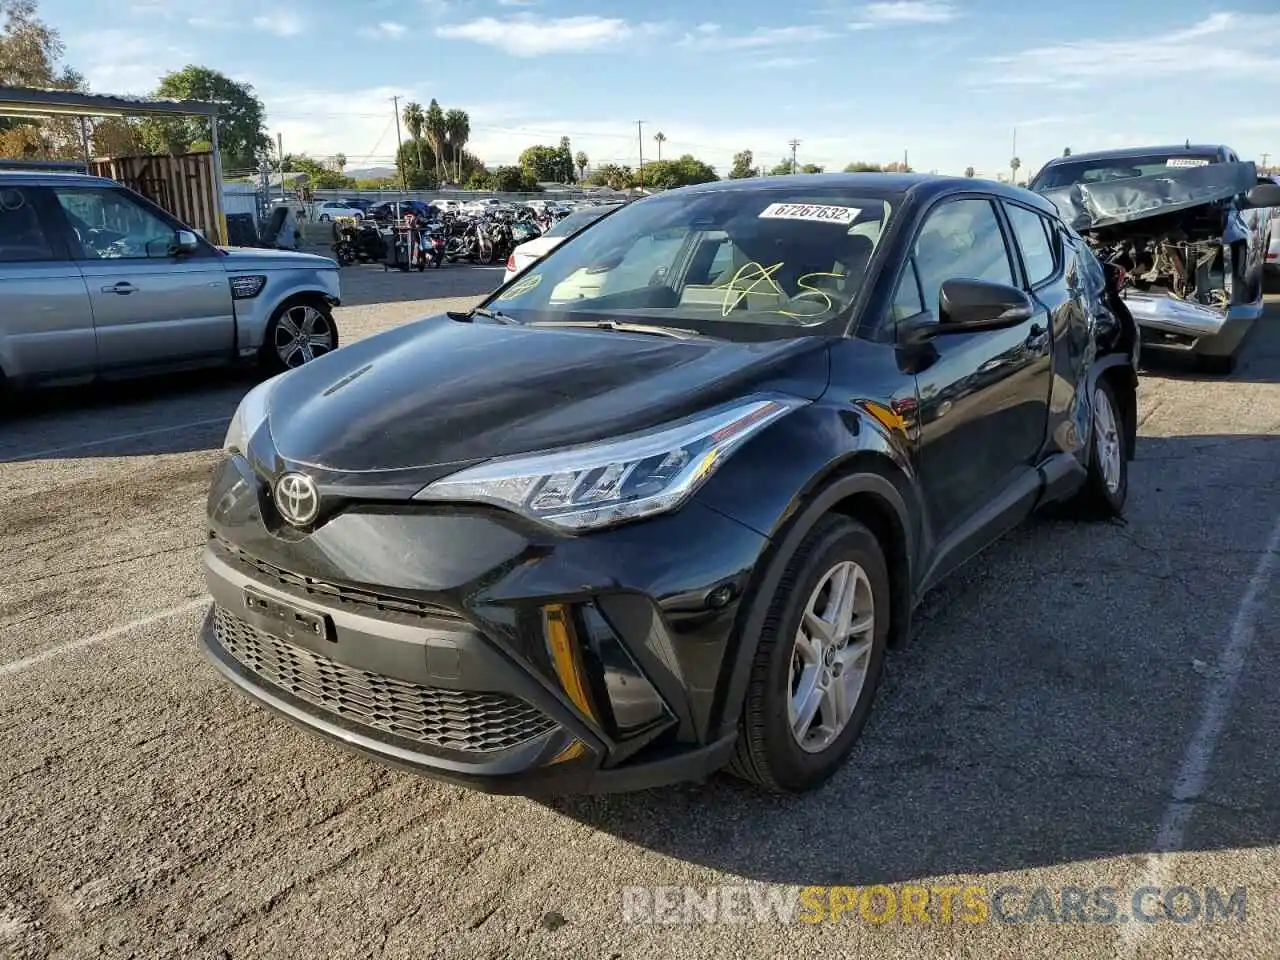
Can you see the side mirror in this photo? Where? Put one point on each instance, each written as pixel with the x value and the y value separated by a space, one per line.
pixel 185 242
pixel 965 306
pixel 1263 195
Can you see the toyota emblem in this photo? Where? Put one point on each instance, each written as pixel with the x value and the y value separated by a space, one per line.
pixel 297 499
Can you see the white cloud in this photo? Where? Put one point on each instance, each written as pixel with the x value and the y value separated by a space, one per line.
pixel 123 61
pixel 529 36
pixel 283 23
pixel 1222 46
pixel 708 36
pixel 386 30
pixel 895 12
pixel 516 3
pixel 784 63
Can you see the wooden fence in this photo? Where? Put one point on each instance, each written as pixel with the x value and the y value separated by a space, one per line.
pixel 184 185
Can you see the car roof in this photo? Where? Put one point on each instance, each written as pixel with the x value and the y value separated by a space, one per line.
pixel 920 187
pixel 1123 153
pixel 51 178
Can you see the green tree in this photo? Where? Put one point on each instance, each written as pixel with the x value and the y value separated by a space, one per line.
pixel 781 168
pixel 415 121
pixel 457 131
pixel 407 159
pixel 340 161
pixel 811 168
pixel 742 166
pixel 969 171
pixel 1066 151
pixel 861 166
pixel 434 131
pixel 564 161
pixel 30 56
pixel 114 137
pixel 242 134
pixel 512 180
pixel 581 160
pixel 668 174
pixel 659 138
pixel 543 163
pixel 612 175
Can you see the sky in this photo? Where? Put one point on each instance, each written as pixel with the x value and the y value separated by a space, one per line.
pixel 950 83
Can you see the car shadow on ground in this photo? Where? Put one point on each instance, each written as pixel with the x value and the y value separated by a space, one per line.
pixel 177 413
pixel 1042 710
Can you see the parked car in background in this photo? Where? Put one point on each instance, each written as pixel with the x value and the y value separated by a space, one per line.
pixel 674 525
pixel 392 211
pixel 327 210
pixel 98 282
pixel 358 203
pixel 1189 226
pixel 537 248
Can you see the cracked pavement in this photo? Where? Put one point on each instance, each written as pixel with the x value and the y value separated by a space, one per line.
pixel 1029 735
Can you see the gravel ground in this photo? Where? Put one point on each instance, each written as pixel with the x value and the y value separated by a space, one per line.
pixel 1074 703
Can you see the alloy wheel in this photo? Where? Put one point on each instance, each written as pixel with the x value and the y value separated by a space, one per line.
pixel 1106 440
pixel 830 656
pixel 302 334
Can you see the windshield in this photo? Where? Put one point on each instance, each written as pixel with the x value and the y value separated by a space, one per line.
pixel 576 221
pixel 793 257
pixel 1116 168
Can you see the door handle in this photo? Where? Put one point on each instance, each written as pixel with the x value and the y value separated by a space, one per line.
pixel 124 288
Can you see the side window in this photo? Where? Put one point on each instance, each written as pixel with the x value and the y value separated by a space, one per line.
pixel 907 302
pixel 110 225
pixel 1033 238
pixel 961 239
pixel 22 238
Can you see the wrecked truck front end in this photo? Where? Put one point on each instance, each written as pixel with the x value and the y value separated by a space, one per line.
pixel 1190 248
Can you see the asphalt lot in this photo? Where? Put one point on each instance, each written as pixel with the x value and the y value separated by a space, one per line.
pixel 1075 701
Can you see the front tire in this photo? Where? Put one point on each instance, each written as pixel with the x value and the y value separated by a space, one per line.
pixel 818 661
pixel 299 332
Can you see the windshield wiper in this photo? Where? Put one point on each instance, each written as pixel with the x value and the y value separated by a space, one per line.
pixel 654 330
pixel 469 316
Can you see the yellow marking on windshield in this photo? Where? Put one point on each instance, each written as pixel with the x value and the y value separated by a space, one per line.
pixel 521 287
pixel 762 275
pixel 808 291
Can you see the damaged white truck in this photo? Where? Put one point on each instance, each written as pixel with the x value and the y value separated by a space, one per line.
pixel 1187 226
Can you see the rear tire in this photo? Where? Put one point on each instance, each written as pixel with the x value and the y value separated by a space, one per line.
pixel 808 649
pixel 1106 488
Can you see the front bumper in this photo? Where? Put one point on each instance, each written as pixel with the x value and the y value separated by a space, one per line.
pixel 420 638
pixel 1177 326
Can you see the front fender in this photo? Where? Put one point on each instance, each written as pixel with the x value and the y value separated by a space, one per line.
pixel 253 316
pixel 783 485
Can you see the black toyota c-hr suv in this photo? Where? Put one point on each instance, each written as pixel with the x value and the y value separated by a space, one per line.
pixel 659 505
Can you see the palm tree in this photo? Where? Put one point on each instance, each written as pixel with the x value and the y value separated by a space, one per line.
pixel 340 161
pixel 415 118
pixel 434 127
pixel 457 131
pixel 661 138
pixel 581 161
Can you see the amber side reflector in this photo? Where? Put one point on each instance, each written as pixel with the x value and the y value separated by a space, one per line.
pixel 572 752
pixel 562 643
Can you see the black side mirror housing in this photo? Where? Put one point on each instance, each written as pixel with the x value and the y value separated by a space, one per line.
pixel 1263 195
pixel 966 306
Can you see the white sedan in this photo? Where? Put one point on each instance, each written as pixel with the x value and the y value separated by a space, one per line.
pixel 329 210
pixel 534 250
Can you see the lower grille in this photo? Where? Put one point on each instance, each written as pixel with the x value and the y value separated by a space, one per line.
pixel 457 720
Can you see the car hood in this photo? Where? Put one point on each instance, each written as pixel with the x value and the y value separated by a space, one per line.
pixel 440 392
pixel 257 258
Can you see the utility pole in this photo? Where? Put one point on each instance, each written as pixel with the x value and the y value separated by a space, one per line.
pixel 794 144
pixel 640 141
pixel 1264 161
pixel 404 180
pixel 280 160
pixel 905 166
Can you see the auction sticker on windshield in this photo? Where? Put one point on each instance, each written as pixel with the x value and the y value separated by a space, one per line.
pixel 817 212
pixel 1186 162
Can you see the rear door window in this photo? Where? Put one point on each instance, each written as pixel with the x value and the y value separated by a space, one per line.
pixel 22 236
pixel 1036 243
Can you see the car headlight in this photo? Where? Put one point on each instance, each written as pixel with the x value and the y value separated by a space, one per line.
pixel 249 416
pixel 600 484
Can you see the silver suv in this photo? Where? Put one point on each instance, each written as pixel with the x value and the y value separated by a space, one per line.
pixel 98 282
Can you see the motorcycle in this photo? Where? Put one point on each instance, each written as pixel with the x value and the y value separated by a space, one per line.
pixel 358 242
